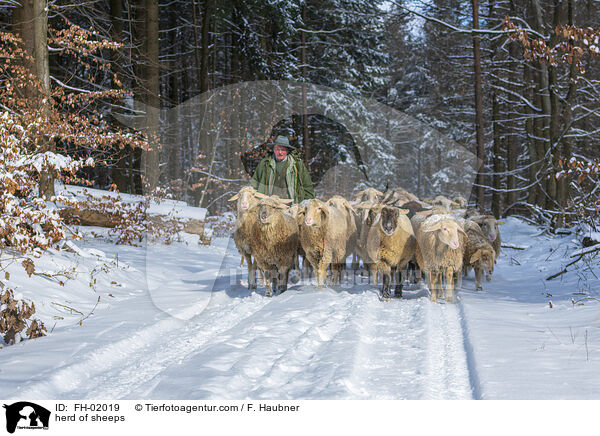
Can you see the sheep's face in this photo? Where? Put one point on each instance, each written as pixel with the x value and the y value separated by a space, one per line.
pixel 486 257
pixel 246 200
pixel 489 227
pixel 316 212
pixel 369 194
pixel 389 220
pixel 267 210
pixel 447 233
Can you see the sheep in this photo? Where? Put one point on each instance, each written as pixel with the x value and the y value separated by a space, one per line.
pixel 297 212
pixel 346 208
pixel 246 198
pixel 439 252
pixel 398 196
pixel 389 244
pixel 461 201
pixel 324 236
pixel 370 194
pixel 445 202
pixel 479 253
pixel 489 226
pixel 274 241
pixel 414 207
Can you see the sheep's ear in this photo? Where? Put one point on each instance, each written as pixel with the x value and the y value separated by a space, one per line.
pixel 424 212
pixel 324 210
pixel 235 197
pixel 500 222
pixel 286 200
pixel 364 205
pixel 476 256
pixel 433 228
pixel 403 211
pixel 460 229
pixel 379 193
pixel 260 195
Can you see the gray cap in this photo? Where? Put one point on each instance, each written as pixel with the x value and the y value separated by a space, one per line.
pixel 282 140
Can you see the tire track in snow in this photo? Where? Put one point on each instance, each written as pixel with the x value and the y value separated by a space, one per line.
pixel 271 356
pixel 389 352
pixel 447 371
pixel 112 370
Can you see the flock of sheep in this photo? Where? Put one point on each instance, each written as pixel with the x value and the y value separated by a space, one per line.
pixel 394 234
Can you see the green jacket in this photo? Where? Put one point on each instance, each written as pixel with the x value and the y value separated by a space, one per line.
pixel 298 180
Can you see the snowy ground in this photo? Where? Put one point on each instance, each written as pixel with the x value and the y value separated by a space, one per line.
pixel 176 322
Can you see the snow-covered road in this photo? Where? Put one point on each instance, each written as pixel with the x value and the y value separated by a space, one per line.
pixel 305 343
pixel 176 322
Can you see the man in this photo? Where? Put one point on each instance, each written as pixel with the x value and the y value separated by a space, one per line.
pixel 282 174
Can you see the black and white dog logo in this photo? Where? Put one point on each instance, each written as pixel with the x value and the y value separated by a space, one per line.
pixel 25 415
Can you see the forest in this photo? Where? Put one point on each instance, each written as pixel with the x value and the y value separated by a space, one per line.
pixel 496 100
pixel 451 251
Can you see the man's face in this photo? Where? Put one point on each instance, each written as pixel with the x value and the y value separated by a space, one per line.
pixel 280 152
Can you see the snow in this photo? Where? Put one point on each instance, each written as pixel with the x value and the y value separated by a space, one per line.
pixel 177 322
pixel 178 209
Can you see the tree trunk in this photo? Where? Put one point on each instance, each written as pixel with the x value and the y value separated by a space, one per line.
pixel 567 143
pixel 22 20
pixel 497 155
pixel 151 76
pixel 206 18
pixel 305 137
pixel 544 93
pixel 42 71
pixel 119 169
pixel 512 150
pixel 478 106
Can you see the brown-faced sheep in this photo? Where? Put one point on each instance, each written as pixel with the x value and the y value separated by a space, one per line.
pixel 274 241
pixel 246 198
pixel 439 252
pixel 323 236
pixel 489 227
pixel 388 244
pixel 478 254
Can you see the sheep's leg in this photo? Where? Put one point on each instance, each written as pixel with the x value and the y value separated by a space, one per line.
pixel 418 275
pixel 283 279
pixel 321 275
pixel 488 276
pixel 268 276
pixel 432 277
pixel 450 284
pixel 355 261
pixel 373 272
pixel 401 276
pixel 478 277
pixel 387 279
pixel 251 272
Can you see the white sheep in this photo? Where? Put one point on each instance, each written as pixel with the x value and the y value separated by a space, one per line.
pixel 346 208
pixel 273 242
pixel 323 236
pixel 439 252
pixel 368 195
pixel 247 198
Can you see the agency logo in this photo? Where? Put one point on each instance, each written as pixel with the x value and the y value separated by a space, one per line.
pixel 25 415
